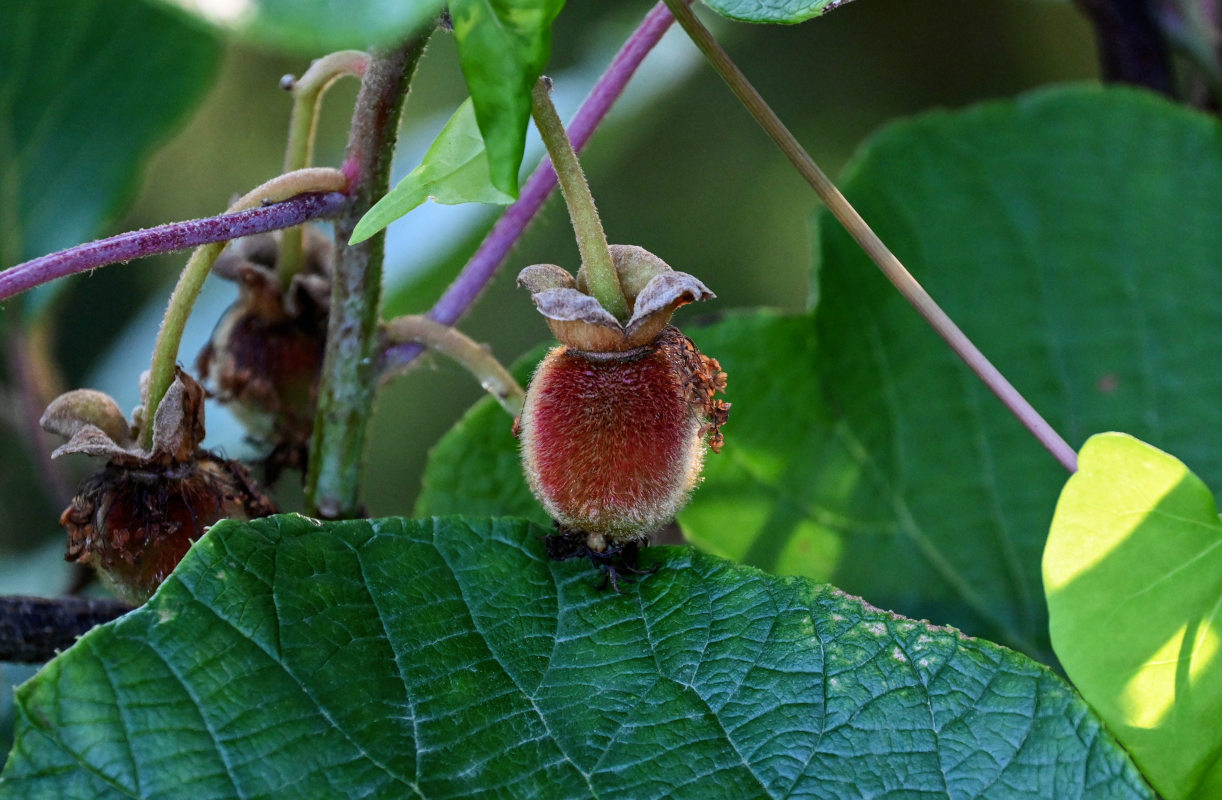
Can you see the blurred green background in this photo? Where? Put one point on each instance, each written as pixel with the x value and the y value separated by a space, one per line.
pixel 678 168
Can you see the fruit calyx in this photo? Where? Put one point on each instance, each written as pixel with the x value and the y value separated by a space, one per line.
pixel 135 519
pixel 652 289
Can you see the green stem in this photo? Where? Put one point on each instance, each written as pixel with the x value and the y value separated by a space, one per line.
pixel 307 96
pixel 191 281
pixel 470 354
pixel 600 274
pixel 349 373
pixel 868 240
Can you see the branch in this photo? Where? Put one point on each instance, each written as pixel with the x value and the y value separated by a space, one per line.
pixel 509 228
pixel 167 238
pixel 878 252
pixel 34 629
pixel 349 371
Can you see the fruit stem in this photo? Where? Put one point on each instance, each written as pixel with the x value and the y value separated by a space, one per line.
pixel 869 241
pixel 349 372
pixel 307 101
pixel 495 248
pixel 470 355
pixel 191 280
pixel 600 273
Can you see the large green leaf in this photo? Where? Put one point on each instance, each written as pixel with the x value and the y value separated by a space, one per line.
pixel 315 27
pixel 784 11
pixel 1073 235
pixel 87 89
pixel 1133 572
pixel 454 171
pixel 447 658
pixel 503 46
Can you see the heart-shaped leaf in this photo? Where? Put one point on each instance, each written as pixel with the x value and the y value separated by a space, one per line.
pixel 1133 572
pixel 454 171
pixel 446 658
pixel 503 46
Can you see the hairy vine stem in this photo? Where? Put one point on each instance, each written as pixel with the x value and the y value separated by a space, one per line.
pixel 166 239
pixel 34 629
pixel 349 372
pixel 868 240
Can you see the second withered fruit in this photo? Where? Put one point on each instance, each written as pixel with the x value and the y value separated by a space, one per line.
pixel 617 419
pixel 265 356
pixel 135 519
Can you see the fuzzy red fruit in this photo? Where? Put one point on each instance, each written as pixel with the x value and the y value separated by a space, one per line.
pixel 617 419
pixel 611 442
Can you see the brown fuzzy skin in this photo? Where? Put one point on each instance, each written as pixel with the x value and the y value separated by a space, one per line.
pixel 611 443
pixel 134 526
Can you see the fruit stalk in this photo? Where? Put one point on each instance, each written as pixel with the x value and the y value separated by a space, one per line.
pixel 591 241
pixel 470 354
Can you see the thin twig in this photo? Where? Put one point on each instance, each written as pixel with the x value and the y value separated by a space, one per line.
pixel 474 357
pixel 166 239
pixel 35 629
pixel 299 152
pixel 492 252
pixel 869 241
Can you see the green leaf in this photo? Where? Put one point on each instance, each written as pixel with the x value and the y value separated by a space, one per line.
pixel 503 46
pixel 1073 235
pixel 314 27
pixel 1133 572
pixel 447 658
pixel 784 11
pixel 87 91
pixel 454 171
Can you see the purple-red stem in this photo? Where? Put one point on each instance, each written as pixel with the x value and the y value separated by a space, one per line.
pixel 509 228
pixel 167 238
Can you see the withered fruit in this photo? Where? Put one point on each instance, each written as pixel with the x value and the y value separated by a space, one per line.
pixel 618 417
pixel 265 355
pixel 135 519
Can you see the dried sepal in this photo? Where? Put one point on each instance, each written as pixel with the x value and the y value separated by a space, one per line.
pixel 91 422
pixel 658 300
pixel 94 425
pixel 539 277
pixel 650 286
